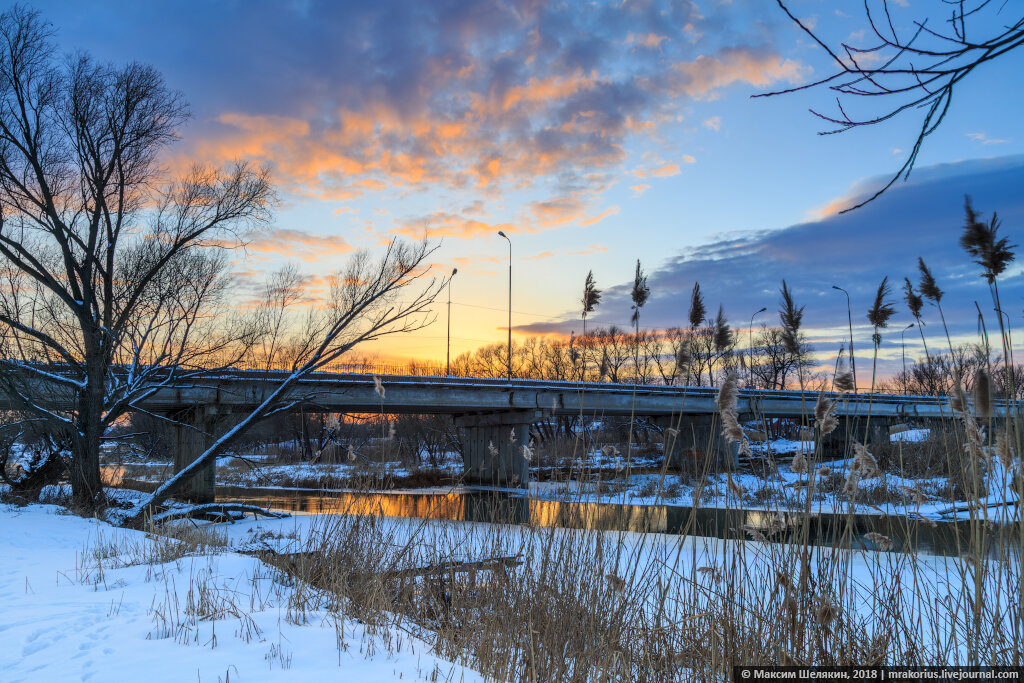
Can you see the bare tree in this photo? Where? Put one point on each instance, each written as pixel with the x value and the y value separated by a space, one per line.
pixel 108 265
pixel 916 69
pixel 778 356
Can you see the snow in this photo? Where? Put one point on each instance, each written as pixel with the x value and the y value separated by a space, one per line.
pixel 65 620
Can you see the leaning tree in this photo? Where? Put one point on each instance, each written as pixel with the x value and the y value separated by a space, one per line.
pixel 115 280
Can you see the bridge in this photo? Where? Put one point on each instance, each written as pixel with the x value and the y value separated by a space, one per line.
pixel 488 410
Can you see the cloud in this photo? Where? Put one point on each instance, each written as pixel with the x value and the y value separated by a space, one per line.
pixel 479 98
pixel 296 244
pixel 611 211
pixel 985 140
pixel 714 123
pixel 592 249
pixel 541 256
pixel 651 41
pixel 923 217
pixel 759 67
pixel 443 224
pixel 665 171
pixel 688 159
pixel 639 189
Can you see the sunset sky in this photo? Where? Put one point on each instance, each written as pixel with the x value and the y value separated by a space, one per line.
pixel 593 134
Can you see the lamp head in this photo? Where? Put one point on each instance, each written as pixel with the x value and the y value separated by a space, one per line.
pixel 837 287
pixel 454 271
pixel 502 234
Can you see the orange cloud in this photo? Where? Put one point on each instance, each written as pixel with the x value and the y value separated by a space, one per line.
pixel 600 217
pixel 443 224
pixel 592 249
pixel 556 212
pixel 687 159
pixel 705 75
pixel 541 256
pixel 639 189
pixel 297 244
pixel 666 171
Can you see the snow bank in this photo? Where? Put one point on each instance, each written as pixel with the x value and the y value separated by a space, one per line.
pixel 62 622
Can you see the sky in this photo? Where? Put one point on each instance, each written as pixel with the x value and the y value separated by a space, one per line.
pixel 593 134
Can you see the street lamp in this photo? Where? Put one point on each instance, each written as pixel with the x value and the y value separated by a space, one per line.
pixel 903 345
pixel 448 353
pixel 750 334
pixel 849 317
pixel 509 358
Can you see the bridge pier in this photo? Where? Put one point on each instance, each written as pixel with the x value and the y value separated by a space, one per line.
pixel 195 430
pixel 491 456
pixel 699 439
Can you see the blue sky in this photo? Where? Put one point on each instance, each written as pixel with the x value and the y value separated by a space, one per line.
pixel 594 134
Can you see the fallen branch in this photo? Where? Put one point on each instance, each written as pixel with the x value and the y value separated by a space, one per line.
pixel 216 512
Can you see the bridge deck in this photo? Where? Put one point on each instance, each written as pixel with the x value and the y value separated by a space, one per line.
pixel 441 395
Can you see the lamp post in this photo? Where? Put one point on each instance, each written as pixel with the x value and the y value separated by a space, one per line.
pixel 750 334
pixel 509 357
pixel 903 345
pixel 448 352
pixel 849 317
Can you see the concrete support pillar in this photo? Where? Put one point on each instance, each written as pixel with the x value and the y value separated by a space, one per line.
pixel 699 439
pixel 490 454
pixel 194 431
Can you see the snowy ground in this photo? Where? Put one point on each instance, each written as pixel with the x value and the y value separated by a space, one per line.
pixel 63 619
pixel 68 618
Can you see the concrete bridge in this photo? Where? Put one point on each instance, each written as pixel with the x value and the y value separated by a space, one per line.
pixel 487 410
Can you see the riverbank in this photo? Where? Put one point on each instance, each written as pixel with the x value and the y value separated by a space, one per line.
pixel 86 601
pixel 377 597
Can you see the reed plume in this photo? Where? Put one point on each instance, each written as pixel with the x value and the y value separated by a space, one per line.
pixel 982 394
pixel 980 241
pixel 881 310
pixel 378 387
pixel 697 309
pixel 825 612
pixel 641 292
pixel 684 356
pixel 731 428
pixel 799 463
pixel 1004 451
pixel 929 288
pixel 723 333
pixel 844 381
pixel 591 295
pixel 883 543
pixel 824 416
pixel 914 300
pixel 863 462
pixel 791 316
pixel 915 493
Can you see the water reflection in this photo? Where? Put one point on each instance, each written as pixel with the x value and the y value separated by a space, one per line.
pixel 502 507
pixel 941 538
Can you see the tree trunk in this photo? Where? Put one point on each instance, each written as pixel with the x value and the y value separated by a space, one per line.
pixel 86 485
